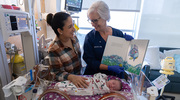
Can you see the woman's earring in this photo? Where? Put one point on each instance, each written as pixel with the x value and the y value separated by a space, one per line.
pixel 61 33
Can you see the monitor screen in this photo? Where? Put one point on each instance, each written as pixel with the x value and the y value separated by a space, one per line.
pixel 13 23
pixel 22 21
pixel 73 5
pixel 18 21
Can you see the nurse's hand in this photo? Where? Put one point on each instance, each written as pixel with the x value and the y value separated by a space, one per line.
pixel 128 37
pixel 117 69
pixel 78 81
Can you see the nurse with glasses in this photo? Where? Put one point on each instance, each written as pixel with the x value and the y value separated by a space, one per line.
pixel 94 20
pixel 95 41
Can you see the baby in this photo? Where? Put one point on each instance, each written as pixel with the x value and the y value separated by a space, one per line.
pixel 98 84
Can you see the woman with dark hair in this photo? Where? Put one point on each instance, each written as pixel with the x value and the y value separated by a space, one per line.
pixel 64 51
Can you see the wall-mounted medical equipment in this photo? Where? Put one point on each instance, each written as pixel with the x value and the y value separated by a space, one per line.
pixel 73 5
pixel 12 22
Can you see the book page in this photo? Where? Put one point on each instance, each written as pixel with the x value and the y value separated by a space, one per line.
pixel 115 51
pixel 135 55
pixel 127 54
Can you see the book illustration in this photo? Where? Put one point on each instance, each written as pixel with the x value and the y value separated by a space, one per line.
pixel 127 54
pixel 117 60
pixel 133 53
pixel 112 60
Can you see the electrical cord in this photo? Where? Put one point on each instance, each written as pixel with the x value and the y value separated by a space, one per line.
pixel 42 81
pixel 12 65
pixel 11 68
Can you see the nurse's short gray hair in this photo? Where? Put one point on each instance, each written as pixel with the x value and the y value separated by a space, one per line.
pixel 102 9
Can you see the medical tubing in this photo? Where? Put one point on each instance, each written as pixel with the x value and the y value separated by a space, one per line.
pixel 11 67
pixel 12 63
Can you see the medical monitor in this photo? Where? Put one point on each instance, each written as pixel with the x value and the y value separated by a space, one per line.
pixel 18 22
pixel 73 5
pixel 13 21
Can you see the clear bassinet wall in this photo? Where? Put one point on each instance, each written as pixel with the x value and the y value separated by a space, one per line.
pixel 142 87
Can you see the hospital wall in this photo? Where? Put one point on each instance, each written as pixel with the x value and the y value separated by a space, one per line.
pixel 160 22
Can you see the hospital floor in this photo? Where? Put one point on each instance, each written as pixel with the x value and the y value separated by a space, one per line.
pixel 177 95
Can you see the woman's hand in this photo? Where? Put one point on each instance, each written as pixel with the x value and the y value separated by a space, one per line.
pixel 78 81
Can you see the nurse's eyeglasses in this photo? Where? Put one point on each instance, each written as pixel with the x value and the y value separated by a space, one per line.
pixel 94 20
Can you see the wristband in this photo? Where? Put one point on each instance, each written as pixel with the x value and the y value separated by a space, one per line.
pixel 66 76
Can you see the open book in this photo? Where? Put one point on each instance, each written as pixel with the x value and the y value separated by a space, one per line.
pixel 127 54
